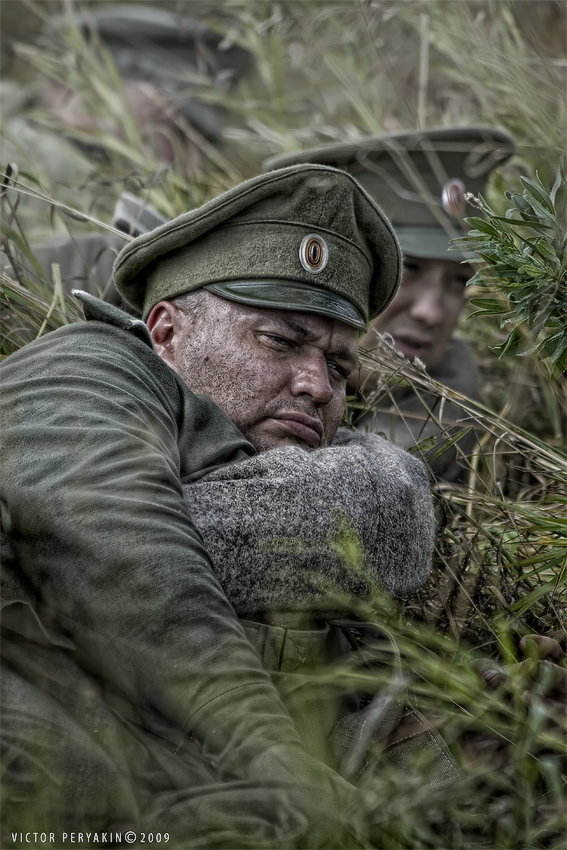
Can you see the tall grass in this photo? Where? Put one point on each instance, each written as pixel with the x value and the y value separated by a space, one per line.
pixel 339 70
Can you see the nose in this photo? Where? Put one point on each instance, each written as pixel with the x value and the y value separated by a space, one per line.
pixel 312 378
pixel 427 306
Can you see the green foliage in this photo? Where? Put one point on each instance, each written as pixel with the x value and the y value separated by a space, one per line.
pixel 334 72
pixel 30 303
pixel 510 793
pixel 525 253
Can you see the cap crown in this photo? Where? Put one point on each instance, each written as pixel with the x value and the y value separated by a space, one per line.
pixel 164 38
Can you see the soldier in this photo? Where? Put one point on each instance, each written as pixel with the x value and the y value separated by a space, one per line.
pixel 421 178
pixel 166 61
pixel 130 694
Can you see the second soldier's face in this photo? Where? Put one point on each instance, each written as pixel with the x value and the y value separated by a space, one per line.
pixel 279 375
pixel 425 311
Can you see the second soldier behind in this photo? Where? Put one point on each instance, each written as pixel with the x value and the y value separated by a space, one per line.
pixel 421 178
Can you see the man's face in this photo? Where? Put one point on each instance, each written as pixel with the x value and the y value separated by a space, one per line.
pixel 424 313
pixel 279 375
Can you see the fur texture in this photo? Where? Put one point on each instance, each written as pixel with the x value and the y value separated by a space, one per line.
pixel 290 529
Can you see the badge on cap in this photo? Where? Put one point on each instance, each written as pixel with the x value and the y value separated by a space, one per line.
pixel 453 197
pixel 313 253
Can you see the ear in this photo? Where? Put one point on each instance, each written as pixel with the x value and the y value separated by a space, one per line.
pixel 163 324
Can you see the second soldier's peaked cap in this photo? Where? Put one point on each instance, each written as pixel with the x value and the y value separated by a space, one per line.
pixel 305 238
pixel 419 177
pixel 138 33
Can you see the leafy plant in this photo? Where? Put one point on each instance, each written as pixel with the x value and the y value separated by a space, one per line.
pixel 334 72
pixel 525 253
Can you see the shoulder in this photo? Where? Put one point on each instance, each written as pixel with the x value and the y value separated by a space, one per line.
pixel 353 462
pixel 380 452
pixel 44 150
pixel 361 489
pixel 112 353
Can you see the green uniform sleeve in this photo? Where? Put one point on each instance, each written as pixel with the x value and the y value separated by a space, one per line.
pixel 97 433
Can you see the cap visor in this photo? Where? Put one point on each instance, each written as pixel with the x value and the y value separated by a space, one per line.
pixel 289 295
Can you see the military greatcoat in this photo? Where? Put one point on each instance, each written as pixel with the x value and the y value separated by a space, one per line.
pixel 130 693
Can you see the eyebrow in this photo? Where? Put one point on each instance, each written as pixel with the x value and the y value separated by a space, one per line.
pixel 298 330
pixel 343 352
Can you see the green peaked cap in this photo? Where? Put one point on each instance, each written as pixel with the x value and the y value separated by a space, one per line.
pixel 305 238
pixel 419 178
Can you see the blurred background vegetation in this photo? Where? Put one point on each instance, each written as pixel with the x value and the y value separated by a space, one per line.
pixel 339 71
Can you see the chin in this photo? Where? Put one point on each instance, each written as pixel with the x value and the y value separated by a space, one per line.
pixel 263 443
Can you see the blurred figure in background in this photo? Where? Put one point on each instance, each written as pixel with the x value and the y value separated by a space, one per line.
pixel 419 179
pixel 171 66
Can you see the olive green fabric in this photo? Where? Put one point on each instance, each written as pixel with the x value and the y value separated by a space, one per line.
pixel 85 260
pixel 156 42
pixel 255 232
pixel 97 436
pixel 430 243
pixel 354 727
pixel 406 173
pixel 59 167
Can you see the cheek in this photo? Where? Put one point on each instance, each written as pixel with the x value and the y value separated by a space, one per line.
pixel 240 383
pixel 202 363
pixel 453 307
pixel 333 412
pixel 400 304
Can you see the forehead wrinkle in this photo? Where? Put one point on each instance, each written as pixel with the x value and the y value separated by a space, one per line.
pixel 299 330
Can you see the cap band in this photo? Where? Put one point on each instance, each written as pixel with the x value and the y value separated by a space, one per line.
pixel 287 295
pixel 261 250
pixel 431 243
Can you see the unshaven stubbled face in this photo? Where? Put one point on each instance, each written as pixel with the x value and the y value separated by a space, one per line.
pixel 280 375
pixel 425 311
